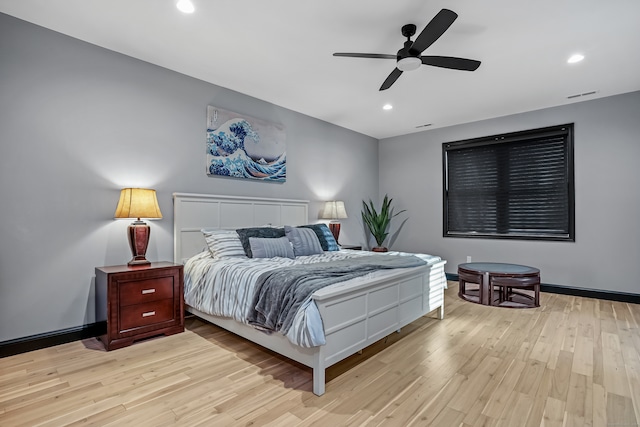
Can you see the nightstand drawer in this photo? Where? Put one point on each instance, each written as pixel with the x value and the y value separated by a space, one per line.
pixel 142 291
pixel 135 316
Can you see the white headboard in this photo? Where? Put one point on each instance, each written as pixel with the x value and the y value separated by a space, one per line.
pixel 193 212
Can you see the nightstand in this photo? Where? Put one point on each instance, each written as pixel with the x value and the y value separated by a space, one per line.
pixel 139 302
pixel 352 247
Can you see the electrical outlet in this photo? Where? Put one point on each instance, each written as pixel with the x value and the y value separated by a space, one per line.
pixel 468 258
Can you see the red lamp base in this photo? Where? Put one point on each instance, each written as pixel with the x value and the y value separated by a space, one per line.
pixel 335 229
pixel 139 233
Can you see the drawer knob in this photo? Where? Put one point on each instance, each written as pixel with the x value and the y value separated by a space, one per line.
pixel 148 291
pixel 149 313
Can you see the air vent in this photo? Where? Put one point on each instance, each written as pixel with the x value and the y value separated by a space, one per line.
pixel 423 126
pixel 578 95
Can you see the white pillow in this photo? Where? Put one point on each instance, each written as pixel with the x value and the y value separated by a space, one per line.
pixel 223 243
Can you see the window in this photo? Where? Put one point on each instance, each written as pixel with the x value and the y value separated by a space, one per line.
pixel 517 185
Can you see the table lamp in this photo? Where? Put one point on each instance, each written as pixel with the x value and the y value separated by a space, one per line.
pixel 334 210
pixel 136 203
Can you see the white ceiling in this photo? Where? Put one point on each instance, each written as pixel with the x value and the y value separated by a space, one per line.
pixel 281 51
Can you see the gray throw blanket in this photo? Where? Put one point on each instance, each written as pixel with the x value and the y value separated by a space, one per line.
pixel 280 292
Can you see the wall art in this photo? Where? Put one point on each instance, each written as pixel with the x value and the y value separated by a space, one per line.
pixel 239 146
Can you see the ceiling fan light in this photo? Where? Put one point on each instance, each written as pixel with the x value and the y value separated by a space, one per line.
pixel 409 63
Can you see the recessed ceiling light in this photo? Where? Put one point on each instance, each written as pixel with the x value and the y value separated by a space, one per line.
pixel 387 107
pixel 575 58
pixel 185 6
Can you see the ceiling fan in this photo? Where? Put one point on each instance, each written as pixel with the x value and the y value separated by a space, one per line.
pixel 409 57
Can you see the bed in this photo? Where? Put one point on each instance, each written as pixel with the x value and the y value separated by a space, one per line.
pixel 355 314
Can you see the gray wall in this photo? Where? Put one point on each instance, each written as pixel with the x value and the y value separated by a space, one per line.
pixel 606 252
pixel 78 123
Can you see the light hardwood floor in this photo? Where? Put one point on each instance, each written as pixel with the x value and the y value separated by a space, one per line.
pixel 572 362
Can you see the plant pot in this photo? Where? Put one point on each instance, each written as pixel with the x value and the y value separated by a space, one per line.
pixel 380 249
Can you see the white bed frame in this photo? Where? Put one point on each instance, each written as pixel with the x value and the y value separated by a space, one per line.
pixel 354 316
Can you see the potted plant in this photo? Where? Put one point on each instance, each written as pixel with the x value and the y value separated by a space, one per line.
pixel 378 222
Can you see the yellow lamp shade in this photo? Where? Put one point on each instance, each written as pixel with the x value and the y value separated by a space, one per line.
pixel 138 203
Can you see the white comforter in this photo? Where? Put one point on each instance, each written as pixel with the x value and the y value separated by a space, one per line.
pixel 225 287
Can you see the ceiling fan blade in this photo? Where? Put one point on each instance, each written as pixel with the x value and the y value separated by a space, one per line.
pixel 434 29
pixel 391 79
pixel 366 55
pixel 451 62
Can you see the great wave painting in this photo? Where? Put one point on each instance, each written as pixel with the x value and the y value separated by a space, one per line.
pixel 243 147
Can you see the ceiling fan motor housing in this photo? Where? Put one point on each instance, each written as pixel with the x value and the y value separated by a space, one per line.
pixel 408 60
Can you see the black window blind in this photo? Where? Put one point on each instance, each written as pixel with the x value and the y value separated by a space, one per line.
pixel 517 185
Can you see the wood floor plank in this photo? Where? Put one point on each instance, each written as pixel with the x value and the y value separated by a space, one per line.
pixel 583 353
pixel 96 418
pixel 448 417
pixel 516 413
pixel 580 398
pixel 599 405
pixel 553 413
pixel 558 320
pixel 90 413
pixel 500 396
pixel 615 374
pixel 475 383
pixel 561 375
pixel 536 412
pixel 20 396
pixel 572 361
pixel 401 411
pixel 530 378
pixel 39 411
pixel 438 403
pixel 598 353
pixel 620 411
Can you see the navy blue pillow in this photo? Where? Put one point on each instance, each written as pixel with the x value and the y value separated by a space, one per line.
pixel 327 241
pixel 262 232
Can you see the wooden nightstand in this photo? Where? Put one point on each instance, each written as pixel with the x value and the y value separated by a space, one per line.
pixel 139 302
pixel 352 247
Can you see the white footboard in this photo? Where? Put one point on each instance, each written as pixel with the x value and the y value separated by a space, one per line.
pixel 354 317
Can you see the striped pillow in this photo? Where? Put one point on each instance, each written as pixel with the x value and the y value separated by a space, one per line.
pixel 270 247
pixel 327 241
pixel 223 243
pixel 304 241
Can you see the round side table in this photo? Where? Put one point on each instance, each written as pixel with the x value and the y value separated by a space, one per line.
pixel 499 284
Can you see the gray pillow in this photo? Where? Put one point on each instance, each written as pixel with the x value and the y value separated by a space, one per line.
pixel 304 241
pixel 270 247
pixel 264 232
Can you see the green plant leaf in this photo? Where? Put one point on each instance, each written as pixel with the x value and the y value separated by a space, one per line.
pixel 378 222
